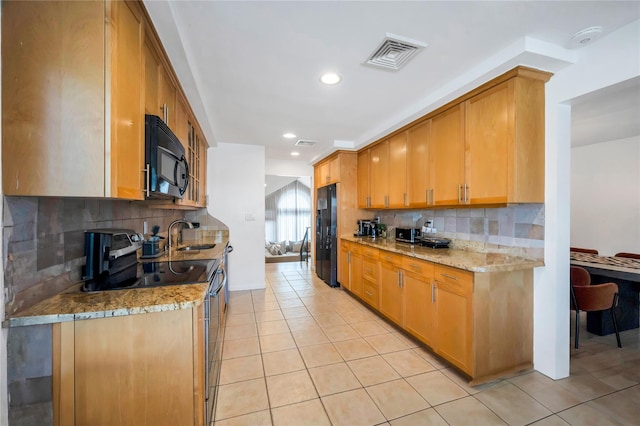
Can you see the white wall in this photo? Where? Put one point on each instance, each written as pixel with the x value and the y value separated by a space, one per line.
pixel 610 60
pixel 287 168
pixel 235 186
pixel 605 196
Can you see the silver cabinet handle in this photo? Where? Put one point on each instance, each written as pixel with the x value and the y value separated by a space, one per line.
pixel 450 277
pixel 466 194
pixel 459 194
pixel 147 190
pixel 406 199
pixel 386 201
pixel 431 202
pixel 368 293
pixel 368 201
pixel 433 293
pixel 401 279
pixel 426 196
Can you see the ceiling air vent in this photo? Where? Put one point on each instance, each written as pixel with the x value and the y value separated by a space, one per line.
pixel 303 142
pixel 394 52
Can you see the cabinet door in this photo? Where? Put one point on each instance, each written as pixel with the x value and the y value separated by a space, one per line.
pixel 151 83
pixel 391 291
pixel 418 182
pixel 419 294
pixel 121 366
pixel 47 149
pixel 379 175
pixel 454 305
pixel 364 200
pixel 167 97
pixel 344 265
pixel 334 169
pixel 397 177
pixel 356 273
pixel 127 101
pixel 447 159
pixel 489 144
pixel 324 174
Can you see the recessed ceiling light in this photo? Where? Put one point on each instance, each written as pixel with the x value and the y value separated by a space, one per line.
pixel 330 78
pixel 289 135
pixel 295 153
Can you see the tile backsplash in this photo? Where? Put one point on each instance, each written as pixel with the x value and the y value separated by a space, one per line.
pixel 44 240
pixel 515 229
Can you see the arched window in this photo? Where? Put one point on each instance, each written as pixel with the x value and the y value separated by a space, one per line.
pixel 288 213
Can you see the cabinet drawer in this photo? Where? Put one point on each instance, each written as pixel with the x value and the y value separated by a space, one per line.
pixel 370 270
pixel 418 267
pixel 370 294
pixel 368 252
pixel 454 279
pixel 390 259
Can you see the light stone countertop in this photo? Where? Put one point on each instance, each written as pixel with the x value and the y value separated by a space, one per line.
pixel 462 259
pixel 77 305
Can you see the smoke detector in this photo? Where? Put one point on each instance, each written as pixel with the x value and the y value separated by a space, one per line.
pixel 303 142
pixel 394 52
pixel 584 37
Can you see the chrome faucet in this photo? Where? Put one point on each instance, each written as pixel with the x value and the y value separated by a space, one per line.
pixel 175 222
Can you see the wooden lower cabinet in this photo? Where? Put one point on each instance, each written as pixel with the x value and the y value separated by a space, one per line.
pixel 391 288
pixel 144 369
pixel 481 322
pixel 454 316
pixel 369 277
pixel 419 297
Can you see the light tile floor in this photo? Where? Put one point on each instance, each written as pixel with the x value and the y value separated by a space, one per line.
pixel 302 353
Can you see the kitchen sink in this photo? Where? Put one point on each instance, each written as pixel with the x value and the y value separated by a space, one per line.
pixel 197 247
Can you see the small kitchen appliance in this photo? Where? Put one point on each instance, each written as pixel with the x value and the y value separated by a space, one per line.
pixel 111 257
pixel 408 235
pixel 435 242
pixel 367 228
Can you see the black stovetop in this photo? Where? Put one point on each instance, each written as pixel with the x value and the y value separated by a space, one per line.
pixel 154 274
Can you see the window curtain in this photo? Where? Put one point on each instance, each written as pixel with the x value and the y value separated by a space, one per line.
pixel 288 213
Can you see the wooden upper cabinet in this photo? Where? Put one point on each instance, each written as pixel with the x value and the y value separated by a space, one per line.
pixel 489 138
pixel 419 191
pixel 485 148
pixel 160 91
pixel 364 196
pixel 379 175
pixel 397 173
pixel 328 171
pixel 55 141
pixel 505 143
pixel 127 101
pixel 151 82
pixel 447 156
pixel 167 99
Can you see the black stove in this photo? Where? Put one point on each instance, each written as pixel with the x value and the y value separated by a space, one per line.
pixel 154 274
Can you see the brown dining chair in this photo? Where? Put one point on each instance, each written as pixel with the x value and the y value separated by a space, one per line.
pixel 583 250
pixel 628 255
pixel 592 298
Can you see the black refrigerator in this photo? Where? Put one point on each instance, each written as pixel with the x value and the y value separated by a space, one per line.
pixel 326 239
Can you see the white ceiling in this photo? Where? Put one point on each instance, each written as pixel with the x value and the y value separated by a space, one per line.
pixel 251 69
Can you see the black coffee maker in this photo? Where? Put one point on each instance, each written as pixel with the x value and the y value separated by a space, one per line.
pixel 111 258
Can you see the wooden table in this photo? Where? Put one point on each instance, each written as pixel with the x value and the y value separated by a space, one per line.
pixel 625 273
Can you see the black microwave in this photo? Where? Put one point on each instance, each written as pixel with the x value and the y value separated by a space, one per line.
pixel 167 170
